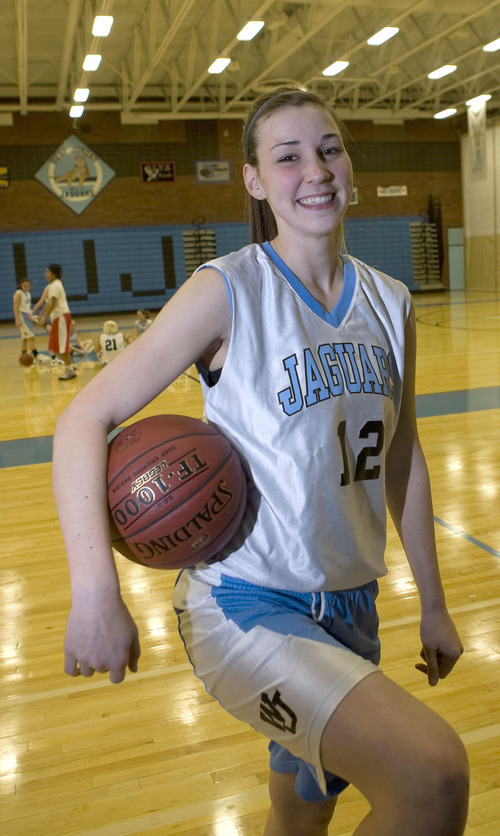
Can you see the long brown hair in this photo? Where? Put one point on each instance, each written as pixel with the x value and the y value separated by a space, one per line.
pixel 262 221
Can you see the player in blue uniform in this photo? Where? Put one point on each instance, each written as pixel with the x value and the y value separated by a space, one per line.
pixel 307 357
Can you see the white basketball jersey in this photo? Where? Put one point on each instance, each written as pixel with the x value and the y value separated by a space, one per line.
pixel 25 303
pixel 57 292
pixel 310 400
pixel 111 345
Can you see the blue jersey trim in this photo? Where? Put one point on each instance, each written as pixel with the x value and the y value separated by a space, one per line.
pixel 226 282
pixel 338 313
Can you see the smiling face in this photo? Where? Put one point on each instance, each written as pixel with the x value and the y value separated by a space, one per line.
pixel 303 170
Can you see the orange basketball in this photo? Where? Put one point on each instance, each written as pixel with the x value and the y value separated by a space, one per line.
pixel 26 359
pixel 176 491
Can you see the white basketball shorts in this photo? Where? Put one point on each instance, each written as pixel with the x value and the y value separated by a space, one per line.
pixel 280 661
pixel 26 329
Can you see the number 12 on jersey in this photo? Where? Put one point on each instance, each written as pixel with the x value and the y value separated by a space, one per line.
pixel 362 472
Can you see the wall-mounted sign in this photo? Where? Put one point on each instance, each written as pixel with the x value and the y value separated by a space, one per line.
pixel 4 177
pixel 392 191
pixel 75 174
pixel 157 172
pixel 476 123
pixel 213 171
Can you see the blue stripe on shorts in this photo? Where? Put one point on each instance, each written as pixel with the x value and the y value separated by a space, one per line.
pixel 28 324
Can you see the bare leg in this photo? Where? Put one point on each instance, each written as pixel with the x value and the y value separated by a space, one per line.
pixel 290 815
pixel 405 759
pixel 28 344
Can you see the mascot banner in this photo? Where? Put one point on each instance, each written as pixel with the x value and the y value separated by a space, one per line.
pixel 476 123
pixel 75 174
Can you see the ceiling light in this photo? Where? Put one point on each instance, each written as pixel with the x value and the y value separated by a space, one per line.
pixel 91 62
pixel 443 114
pixel 76 111
pixel 250 30
pixel 446 69
pixel 102 26
pixel 336 67
pixel 219 65
pixel 383 36
pixel 81 94
pixel 477 100
pixel 493 46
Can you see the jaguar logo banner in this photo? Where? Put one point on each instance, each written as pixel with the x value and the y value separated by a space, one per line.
pixel 75 174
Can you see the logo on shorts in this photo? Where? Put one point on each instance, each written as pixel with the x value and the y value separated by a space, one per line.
pixel 277 713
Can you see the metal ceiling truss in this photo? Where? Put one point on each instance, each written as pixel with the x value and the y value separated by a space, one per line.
pixel 155 61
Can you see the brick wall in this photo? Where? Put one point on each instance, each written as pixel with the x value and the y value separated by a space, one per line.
pixel 423 155
pixel 126 201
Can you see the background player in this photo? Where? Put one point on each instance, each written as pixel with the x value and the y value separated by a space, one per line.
pixel 76 345
pixel 111 342
pixel 22 316
pixel 142 323
pixel 56 307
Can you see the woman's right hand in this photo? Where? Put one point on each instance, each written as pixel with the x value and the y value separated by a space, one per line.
pixel 101 636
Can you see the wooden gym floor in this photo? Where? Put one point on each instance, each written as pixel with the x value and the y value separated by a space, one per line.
pixel 155 755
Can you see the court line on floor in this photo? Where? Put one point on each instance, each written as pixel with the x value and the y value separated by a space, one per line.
pixel 461 533
pixel 458 401
pixel 38 450
pixel 433 303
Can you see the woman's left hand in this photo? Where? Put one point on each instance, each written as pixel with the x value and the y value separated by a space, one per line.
pixel 441 645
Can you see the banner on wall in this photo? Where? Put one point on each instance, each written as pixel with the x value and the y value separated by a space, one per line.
pixel 213 171
pixel 392 191
pixel 75 174
pixel 163 172
pixel 476 123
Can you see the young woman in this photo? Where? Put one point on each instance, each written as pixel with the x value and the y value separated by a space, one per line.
pixel 76 345
pixel 142 323
pixel 22 315
pixel 111 342
pixel 56 309
pixel 307 358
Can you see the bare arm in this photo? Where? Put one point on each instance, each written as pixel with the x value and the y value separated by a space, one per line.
pixel 16 304
pixel 48 307
pixel 101 634
pixel 410 504
pixel 41 301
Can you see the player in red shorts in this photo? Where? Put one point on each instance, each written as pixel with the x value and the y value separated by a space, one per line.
pixel 56 307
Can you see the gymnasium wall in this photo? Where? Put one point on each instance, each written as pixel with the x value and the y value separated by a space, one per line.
pixel 127 249
pixel 482 214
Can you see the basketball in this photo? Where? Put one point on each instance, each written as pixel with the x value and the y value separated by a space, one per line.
pixel 26 359
pixel 176 491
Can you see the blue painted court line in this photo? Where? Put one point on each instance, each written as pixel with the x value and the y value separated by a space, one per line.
pixel 467 537
pixel 26 451
pixel 29 451
pixel 450 301
pixel 453 403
